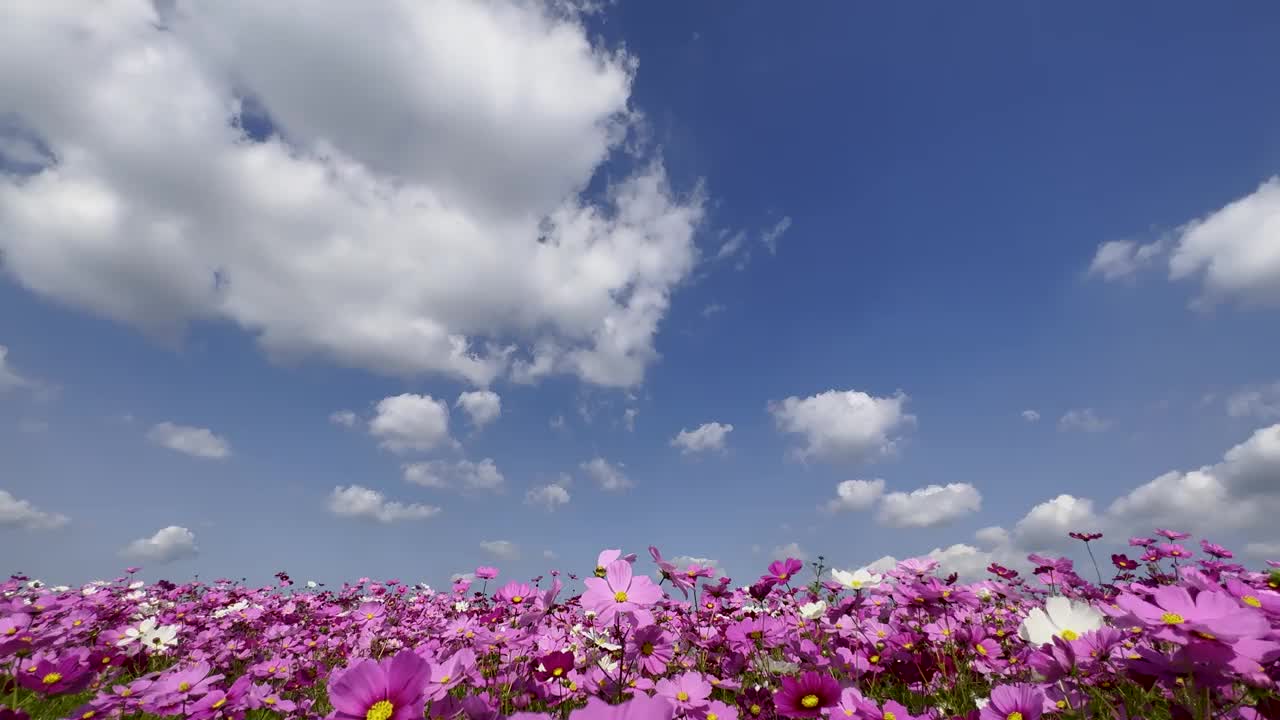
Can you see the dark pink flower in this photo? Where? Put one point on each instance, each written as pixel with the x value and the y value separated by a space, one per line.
pixel 806 696
pixel 1025 702
pixel 393 689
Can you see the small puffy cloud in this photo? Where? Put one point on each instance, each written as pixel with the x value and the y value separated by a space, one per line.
pixel 609 477
pixel 929 506
pixel 462 474
pixel 1082 420
pixel 504 549
pixel 707 436
pixel 1261 403
pixel 844 425
pixel 194 441
pixel 481 406
pixel 992 535
pixel 1120 259
pixel 410 422
pixel 771 236
pixel 166 546
pixel 21 513
pixel 1046 525
pixel 1234 251
pixel 856 495
pixel 684 561
pixel 1030 416
pixel 551 495
pixel 356 501
pixel 345 418
pixel 790 550
pixel 9 378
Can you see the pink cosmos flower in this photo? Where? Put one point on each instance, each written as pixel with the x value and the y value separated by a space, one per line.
pixel 515 593
pixel 687 692
pixel 393 689
pixel 620 591
pixel 484 572
pixel 806 696
pixel 641 707
pixel 1173 615
pixel 1014 701
pixel 783 571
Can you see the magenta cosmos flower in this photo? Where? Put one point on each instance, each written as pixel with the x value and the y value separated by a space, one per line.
pixel 687 691
pixel 393 689
pixel 620 590
pixel 782 571
pixel 806 696
pixel 515 593
pixel 641 707
pixel 1021 702
pixel 484 572
pixel 1173 614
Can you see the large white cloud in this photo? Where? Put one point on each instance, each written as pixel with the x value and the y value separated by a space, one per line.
pixel 930 505
pixel 418 210
pixel 167 545
pixel 856 495
pixel 194 441
pixel 21 513
pixel 1262 403
pixel 356 501
pixel 1046 525
pixel 707 436
pixel 844 424
pixel 411 422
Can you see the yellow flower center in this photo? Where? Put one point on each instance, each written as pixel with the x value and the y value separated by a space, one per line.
pixel 1249 600
pixel 809 701
pixel 848 712
pixel 368 616
pixel 755 709
pixel 445 680
pixel 381 710
pixel 890 716
pixel 1172 619
pixel 712 716
pixel 558 672
pixel 517 599
pixel 981 650
pixel 874 659
pixel 51 678
pixel 221 701
pixel 620 596
pixel 1070 635
pixel 783 577
pixel 184 686
pixel 1206 636
pixel 1014 716
pixel 270 701
pixel 682 696
pixel 646 649
pixel 88 714
pixel 77 623
pixel 11 631
pixel 126 692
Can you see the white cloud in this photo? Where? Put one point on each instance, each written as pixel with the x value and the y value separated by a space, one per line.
pixel 194 441
pixel 629 419
pixel 21 513
pixel 411 422
pixel 1030 416
pixel 684 561
pixel 1262 403
pixel 731 246
pixel 9 378
pixel 609 477
pixel 790 550
pixel 1083 420
pixel 167 545
pixel 844 425
pixel 993 535
pixel 356 501
pixel 856 495
pixel 1046 525
pixel 929 506
pixel 1235 251
pixel 482 406
pixel 707 436
pixel 504 549
pixel 551 495
pixel 345 418
pixel 771 236
pixel 419 210
pixel 464 474
pixel 712 309
pixel 1122 258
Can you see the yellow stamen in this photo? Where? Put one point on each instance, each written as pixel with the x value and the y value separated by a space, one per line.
pixel 1070 635
pixel 809 701
pixel 1172 619
pixel 517 599
pixel 1014 716
pixel 221 701
pixel 51 678
pixel 682 696
pixel 184 686
pixel 1249 600
pixel 620 596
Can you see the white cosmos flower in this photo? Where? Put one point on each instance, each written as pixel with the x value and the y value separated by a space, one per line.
pixel 135 634
pixel 1060 617
pixel 136 585
pixel 35 584
pixel 782 667
pixel 859 579
pixel 813 610
pixel 461 606
pixel 313 584
pixel 161 638
pixel 61 588
pixel 232 608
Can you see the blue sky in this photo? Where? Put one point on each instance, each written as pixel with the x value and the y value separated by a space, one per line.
pixel 974 212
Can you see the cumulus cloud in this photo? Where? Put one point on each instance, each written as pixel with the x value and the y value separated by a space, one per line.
pixel 195 441
pixel 844 425
pixel 408 204
pixel 790 550
pixel 1046 525
pixel 481 406
pixel 167 545
pixel 929 506
pixel 9 378
pixel 1261 403
pixel 856 495
pixel 1234 251
pixel 609 477
pixel 345 418
pixel 707 436
pixel 1123 258
pixel 504 549
pixel 411 422
pixel 1082 420
pixel 684 561
pixel 356 501
pixel 1030 416
pixel 462 474
pixel 21 513
pixel 551 495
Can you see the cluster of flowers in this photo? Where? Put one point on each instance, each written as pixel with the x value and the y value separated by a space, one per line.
pixel 1172 635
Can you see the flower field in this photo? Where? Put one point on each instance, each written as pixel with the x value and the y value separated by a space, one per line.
pixel 1178 631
